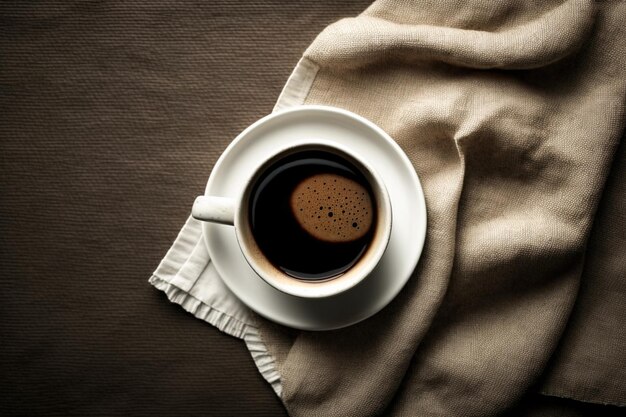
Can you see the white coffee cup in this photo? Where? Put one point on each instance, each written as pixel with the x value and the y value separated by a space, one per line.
pixel 235 212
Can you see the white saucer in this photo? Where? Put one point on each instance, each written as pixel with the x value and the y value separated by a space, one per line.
pixel 408 210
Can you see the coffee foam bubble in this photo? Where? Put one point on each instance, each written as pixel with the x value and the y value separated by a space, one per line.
pixel 332 208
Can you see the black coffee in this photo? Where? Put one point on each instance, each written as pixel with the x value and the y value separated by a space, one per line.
pixel 312 214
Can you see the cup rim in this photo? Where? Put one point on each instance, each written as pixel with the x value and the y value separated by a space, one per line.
pixel 335 285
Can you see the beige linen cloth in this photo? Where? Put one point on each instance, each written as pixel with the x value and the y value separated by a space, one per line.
pixel 512 113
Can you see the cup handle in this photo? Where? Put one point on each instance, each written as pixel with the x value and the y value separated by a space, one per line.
pixel 214 209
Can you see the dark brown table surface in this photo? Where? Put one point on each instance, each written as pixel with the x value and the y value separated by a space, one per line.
pixel 111 117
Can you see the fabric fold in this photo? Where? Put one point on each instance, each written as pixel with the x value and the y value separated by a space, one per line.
pixel 356 42
pixel 188 278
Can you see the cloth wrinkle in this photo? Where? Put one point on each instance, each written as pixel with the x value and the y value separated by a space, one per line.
pixel 545 40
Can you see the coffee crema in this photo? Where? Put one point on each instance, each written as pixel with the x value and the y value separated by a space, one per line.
pixel 312 214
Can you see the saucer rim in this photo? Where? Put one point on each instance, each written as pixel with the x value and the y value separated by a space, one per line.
pixel 407 166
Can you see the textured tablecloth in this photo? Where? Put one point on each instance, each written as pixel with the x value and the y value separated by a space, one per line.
pixel 111 116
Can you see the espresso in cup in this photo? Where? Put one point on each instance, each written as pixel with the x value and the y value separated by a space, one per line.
pixel 312 214
pixel 312 220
